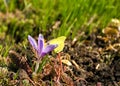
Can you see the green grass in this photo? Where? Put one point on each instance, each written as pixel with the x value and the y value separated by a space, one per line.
pixel 39 16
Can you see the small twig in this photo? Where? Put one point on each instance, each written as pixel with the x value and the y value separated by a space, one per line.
pixel 59 69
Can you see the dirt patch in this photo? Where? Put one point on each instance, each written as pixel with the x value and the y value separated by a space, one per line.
pixel 94 61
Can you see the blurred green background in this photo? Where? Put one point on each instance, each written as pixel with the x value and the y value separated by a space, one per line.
pixel 52 18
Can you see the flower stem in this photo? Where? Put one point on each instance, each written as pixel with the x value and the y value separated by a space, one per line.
pixel 36 67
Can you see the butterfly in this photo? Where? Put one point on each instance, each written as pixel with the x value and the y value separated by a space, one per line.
pixel 60 42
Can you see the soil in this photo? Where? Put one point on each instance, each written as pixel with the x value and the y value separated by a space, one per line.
pixel 95 61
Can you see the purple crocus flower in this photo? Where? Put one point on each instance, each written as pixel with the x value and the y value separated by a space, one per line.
pixel 40 47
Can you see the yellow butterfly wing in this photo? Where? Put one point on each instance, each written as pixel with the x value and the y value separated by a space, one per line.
pixel 60 41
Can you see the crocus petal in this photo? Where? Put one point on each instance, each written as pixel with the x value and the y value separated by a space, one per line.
pixel 48 49
pixel 32 42
pixel 40 44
